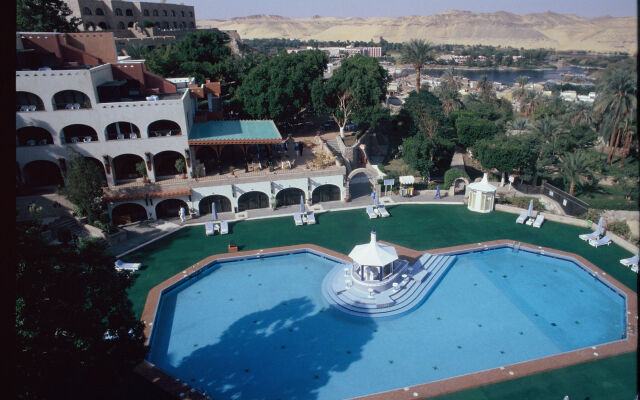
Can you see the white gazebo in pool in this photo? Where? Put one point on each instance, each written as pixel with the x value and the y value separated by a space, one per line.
pixel 482 195
pixel 373 261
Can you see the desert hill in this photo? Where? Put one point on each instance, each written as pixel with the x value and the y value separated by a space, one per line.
pixel 550 30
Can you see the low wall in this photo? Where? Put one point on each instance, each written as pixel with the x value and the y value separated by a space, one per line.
pixel 620 241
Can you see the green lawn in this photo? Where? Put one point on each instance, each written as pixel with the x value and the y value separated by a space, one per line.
pixel 419 227
pixel 609 198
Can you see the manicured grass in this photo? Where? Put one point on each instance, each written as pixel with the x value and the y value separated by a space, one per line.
pixel 420 227
pixel 609 198
pixel 609 378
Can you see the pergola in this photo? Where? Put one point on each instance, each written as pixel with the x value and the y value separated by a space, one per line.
pixel 375 258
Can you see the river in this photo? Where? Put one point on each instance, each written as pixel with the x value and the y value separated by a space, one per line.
pixel 510 77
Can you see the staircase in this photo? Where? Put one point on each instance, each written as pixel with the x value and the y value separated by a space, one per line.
pixel 71 224
pixel 332 144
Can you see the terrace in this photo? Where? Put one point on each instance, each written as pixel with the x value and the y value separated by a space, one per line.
pixel 417 227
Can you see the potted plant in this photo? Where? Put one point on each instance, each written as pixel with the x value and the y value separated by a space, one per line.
pixel 232 169
pixel 270 164
pixel 198 172
pixel 180 167
pixel 141 169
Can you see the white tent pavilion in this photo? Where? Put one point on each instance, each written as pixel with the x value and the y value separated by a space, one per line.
pixel 482 195
pixel 373 261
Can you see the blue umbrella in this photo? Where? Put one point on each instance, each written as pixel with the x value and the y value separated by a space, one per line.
pixel 302 204
pixel 214 214
pixel 375 199
pixel 530 211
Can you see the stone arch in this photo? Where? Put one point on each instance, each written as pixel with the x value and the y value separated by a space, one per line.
pixel 460 185
pixel 155 13
pixel 90 26
pixel 118 12
pixel 26 101
pixel 173 13
pixel 169 208
pixel 371 174
pixel 42 173
pixel 131 24
pixel 290 196
pixel 361 182
pixel 100 166
pixel 145 13
pixel 99 11
pixel 253 200
pixel 78 133
pixel 127 213
pixel 121 25
pixel 124 166
pixel 326 192
pixel 86 11
pixel 121 130
pixel 164 13
pixel 103 26
pixel 163 127
pixel 223 204
pixel 164 163
pixel 32 136
pixel 128 12
pixel 70 100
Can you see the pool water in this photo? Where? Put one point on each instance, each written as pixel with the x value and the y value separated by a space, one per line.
pixel 261 329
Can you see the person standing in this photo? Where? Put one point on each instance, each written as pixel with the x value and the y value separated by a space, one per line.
pixel 437 196
pixel 182 214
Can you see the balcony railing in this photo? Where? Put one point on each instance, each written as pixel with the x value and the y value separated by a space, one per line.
pixel 70 106
pixel 166 132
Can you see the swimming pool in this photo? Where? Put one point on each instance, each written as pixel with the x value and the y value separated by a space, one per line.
pixel 260 328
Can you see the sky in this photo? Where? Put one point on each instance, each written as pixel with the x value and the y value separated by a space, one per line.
pixel 216 9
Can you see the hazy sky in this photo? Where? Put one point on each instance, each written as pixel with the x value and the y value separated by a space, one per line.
pixel 216 9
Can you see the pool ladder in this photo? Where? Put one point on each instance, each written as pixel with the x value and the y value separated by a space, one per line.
pixel 516 247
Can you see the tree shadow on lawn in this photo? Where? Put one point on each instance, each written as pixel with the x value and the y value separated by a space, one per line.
pixel 287 352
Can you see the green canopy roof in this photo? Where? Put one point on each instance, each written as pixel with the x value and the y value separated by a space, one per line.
pixel 234 132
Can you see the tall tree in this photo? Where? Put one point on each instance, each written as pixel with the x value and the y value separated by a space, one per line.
pixel 616 99
pixel 506 154
pixel 83 187
pixel 417 52
pixel 547 129
pixel 354 92
pixel 279 88
pixel 45 16
pixel 573 166
pixel 67 299
pixel 522 83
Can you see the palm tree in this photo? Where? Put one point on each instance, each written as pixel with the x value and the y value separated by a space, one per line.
pixel 518 124
pixel 417 52
pixel 616 99
pixel 450 99
pixel 522 82
pixel 580 112
pixel 547 127
pixel 487 94
pixel 572 167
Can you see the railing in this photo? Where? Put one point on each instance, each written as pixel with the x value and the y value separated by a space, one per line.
pixel 166 132
pixel 570 204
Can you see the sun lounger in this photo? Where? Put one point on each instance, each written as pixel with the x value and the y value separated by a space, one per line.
pixel 530 220
pixel 538 222
pixel 208 228
pixel 634 268
pixel 383 212
pixel 521 218
pixel 630 262
pixel 311 219
pixel 297 218
pixel 371 212
pixel 224 227
pixel 600 242
pixel 595 234
pixel 124 266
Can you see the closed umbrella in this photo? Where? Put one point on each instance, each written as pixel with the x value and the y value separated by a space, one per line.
pixel 214 214
pixel 530 213
pixel 376 202
pixel 302 204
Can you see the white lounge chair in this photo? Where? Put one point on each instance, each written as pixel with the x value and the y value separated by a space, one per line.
pixel 522 217
pixel 124 266
pixel 630 262
pixel 634 268
pixel 224 227
pixel 530 220
pixel 371 212
pixel 595 234
pixel 297 218
pixel 600 242
pixel 539 220
pixel 383 211
pixel 208 228
pixel 311 219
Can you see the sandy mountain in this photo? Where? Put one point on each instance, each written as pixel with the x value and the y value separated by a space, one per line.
pixel 550 30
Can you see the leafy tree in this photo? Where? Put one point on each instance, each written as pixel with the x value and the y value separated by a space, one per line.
pixel 417 52
pixel 67 298
pixel 471 128
pixel 427 112
pixel 83 188
pixel 45 16
pixel 354 92
pixel 448 93
pixel 573 166
pixel 518 124
pixel 506 154
pixel 280 88
pixel 547 129
pixel 577 137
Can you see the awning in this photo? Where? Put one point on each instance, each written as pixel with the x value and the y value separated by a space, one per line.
pixel 407 180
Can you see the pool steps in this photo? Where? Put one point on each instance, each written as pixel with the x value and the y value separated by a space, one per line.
pixel 422 277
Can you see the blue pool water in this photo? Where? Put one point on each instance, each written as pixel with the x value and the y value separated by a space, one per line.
pixel 261 329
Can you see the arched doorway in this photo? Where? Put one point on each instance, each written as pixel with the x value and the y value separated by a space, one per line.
pixel 289 196
pixel 100 167
pixel 124 166
pixel 222 204
pixel 459 186
pixel 325 193
pixel 360 185
pixel 26 101
pixel 163 127
pixel 33 136
pixel 121 130
pixel 79 133
pixel 253 200
pixel 164 163
pixel 70 100
pixel 207 157
pixel 127 213
pixel 169 208
pixel 42 173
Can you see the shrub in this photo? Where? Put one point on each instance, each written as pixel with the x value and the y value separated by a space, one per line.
pixel 522 202
pixel 147 24
pixel 620 228
pixel 451 175
pixel 592 214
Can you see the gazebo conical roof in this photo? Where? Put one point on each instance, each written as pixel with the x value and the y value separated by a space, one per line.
pixel 483 185
pixel 373 253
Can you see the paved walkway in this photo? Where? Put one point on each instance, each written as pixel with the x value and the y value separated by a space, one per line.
pixel 141 233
